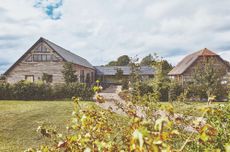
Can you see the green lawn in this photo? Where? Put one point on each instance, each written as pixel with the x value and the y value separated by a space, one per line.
pixel 20 119
pixel 193 108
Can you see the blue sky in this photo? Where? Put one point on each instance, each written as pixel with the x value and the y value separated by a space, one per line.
pixel 102 30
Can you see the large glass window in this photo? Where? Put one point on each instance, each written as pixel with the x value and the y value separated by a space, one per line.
pixel 44 57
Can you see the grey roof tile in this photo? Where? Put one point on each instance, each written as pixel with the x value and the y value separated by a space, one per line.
pixel 112 70
pixel 69 56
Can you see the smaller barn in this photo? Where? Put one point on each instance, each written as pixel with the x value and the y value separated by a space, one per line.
pixel 184 70
pixel 107 74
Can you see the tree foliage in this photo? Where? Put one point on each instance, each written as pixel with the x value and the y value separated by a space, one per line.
pixel 121 61
pixel 119 74
pixel 69 73
pixel 207 80
pixel 161 82
pixel 147 60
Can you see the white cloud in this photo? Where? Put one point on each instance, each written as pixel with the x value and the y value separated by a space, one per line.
pixel 102 30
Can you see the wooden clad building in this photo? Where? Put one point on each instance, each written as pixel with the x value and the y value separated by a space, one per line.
pixel 184 70
pixel 45 57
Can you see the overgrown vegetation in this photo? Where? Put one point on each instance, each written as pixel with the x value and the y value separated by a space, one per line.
pixel 91 130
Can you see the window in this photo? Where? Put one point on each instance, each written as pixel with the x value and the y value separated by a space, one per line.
pixel 47 78
pixel 29 78
pixel 82 75
pixel 44 57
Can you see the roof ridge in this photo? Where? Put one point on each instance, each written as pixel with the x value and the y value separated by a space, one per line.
pixel 86 62
pixel 206 51
pixel 48 41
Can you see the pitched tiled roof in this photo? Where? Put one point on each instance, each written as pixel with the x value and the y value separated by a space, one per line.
pixel 67 55
pixel 112 70
pixel 182 66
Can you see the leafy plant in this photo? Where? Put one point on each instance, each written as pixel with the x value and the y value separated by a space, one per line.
pixel 69 73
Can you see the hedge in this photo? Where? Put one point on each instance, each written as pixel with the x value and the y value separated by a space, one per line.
pixel 44 91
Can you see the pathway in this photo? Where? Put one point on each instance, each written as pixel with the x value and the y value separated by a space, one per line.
pixel 111 96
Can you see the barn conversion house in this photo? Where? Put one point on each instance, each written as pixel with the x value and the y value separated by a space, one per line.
pixel 45 57
pixel 184 70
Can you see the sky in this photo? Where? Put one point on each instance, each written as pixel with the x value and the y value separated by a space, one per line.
pixel 102 30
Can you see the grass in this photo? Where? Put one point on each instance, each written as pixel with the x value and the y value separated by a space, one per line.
pixel 20 119
pixel 193 108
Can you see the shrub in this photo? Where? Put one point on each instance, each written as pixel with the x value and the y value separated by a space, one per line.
pixel 62 91
pixel 145 89
pixel 24 90
pixel 125 84
pixel 175 89
pixel 5 91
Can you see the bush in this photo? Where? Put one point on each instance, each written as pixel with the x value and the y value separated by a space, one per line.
pixel 175 90
pixel 5 91
pixel 24 90
pixel 125 84
pixel 81 90
pixel 145 89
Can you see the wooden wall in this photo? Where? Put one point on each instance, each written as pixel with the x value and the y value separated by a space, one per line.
pixel 37 69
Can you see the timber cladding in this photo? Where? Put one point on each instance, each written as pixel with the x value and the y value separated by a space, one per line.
pixel 36 69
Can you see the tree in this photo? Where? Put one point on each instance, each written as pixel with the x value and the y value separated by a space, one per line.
pixel 135 79
pixel 161 82
pixel 112 63
pixel 69 73
pixel 147 61
pixel 119 73
pixel 166 67
pixel 123 60
pixel 207 80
